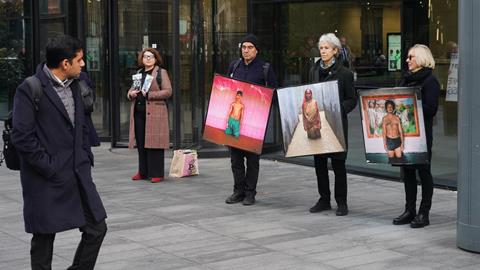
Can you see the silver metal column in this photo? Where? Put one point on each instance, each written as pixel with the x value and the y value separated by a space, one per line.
pixel 468 223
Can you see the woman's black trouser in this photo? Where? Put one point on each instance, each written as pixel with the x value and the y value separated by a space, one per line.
pixel 150 161
pixel 321 169
pixel 425 174
pixel 410 181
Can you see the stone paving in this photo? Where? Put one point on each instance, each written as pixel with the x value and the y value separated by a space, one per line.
pixel 185 224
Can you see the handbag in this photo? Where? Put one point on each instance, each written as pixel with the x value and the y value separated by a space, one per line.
pixel 184 163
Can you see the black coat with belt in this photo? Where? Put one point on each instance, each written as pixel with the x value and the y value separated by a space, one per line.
pixel 55 160
pixel 346 93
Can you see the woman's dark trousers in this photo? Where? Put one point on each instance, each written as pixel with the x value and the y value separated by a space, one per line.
pixel 321 169
pixel 425 174
pixel 150 161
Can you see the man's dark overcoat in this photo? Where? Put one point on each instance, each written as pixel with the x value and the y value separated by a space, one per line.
pixel 55 158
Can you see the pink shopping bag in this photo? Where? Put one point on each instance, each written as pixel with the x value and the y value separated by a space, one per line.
pixel 184 163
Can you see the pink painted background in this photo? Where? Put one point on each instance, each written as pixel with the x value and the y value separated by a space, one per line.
pixel 256 99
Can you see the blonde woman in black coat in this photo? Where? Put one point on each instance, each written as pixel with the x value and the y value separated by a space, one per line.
pixel 329 68
pixel 420 73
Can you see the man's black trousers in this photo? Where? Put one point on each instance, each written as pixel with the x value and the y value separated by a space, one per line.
pixel 245 178
pixel 41 250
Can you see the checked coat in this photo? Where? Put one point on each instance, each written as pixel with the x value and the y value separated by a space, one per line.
pixel 156 126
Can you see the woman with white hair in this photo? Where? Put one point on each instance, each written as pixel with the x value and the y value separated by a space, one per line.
pixel 329 68
pixel 420 67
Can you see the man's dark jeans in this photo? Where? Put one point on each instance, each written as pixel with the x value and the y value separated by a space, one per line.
pixel 245 179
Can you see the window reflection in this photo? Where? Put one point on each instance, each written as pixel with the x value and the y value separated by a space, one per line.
pixel 15 57
pixel 292 40
pixel 230 27
pixel 50 7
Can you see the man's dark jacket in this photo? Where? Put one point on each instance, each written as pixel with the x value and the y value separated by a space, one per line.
pixel 55 159
pixel 253 72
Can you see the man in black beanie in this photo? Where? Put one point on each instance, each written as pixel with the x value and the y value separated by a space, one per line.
pixel 248 68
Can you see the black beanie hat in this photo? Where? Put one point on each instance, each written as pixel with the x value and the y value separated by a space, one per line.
pixel 252 39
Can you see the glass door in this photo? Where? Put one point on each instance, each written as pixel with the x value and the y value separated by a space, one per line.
pixel 230 26
pixel 139 24
pixel 96 62
pixel 217 28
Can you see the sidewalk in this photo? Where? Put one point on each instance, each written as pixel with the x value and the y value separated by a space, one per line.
pixel 185 224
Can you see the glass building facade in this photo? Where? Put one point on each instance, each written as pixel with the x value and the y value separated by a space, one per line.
pixel 200 37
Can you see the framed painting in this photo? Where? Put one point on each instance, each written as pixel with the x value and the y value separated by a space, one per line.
pixel 238 114
pixel 393 126
pixel 311 119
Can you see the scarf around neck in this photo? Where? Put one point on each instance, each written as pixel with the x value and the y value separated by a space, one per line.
pixel 411 78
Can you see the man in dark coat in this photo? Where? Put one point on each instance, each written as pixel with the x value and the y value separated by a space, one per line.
pixel 250 69
pixel 51 137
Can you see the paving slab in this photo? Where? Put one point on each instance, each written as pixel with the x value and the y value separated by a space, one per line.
pixel 185 224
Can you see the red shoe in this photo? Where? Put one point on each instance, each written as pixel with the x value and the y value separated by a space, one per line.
pixel 156 179
pixel 138 176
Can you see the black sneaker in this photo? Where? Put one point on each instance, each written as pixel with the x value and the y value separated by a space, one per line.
pixel 342 210
pixel 249 200
pixel 235 198
pixel 320 206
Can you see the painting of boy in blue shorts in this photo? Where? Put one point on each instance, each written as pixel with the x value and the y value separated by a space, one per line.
pixel 235 116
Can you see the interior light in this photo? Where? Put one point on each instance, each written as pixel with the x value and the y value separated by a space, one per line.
pixel 429 8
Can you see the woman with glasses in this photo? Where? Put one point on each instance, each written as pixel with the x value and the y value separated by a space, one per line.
pixel 420 73
pixel 149 130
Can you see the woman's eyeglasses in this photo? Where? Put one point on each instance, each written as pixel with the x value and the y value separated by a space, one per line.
pixel 148 56
pixel 410 57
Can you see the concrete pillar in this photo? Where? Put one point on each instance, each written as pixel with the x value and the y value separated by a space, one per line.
pixel 468 223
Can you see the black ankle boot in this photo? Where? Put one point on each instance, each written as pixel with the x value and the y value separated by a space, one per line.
pixel 342 210
pixel 249 199
pixel 235 198
pixel 405 218
pixel 420 221
pixel 321 205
